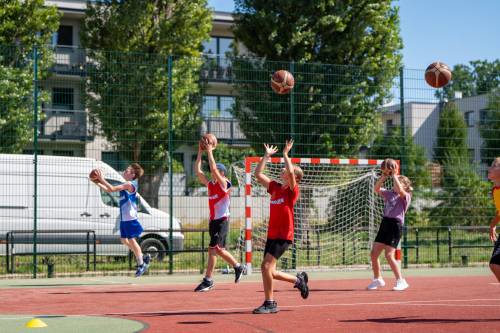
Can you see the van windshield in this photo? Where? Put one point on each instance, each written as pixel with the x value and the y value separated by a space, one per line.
pixel 113 199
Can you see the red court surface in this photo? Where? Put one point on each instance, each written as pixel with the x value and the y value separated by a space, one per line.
pixel 432 304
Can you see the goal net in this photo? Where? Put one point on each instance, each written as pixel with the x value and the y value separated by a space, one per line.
pixel 336 215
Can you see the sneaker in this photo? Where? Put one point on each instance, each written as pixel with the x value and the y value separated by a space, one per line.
pixel 141 269
pixel 267 307
pixel 401 285
pixel 375 284
pixel 205 285
pixel 238 271
pixel 301 284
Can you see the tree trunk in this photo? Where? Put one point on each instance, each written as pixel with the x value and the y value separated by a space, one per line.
pixel 149 188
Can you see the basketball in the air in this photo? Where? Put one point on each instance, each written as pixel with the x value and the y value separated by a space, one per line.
pixel 208 138
pixel 282 81
pixel 94 174
pixel 437 74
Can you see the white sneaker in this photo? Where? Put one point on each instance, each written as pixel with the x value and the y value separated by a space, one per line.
pixel 375 284
pixel 401 285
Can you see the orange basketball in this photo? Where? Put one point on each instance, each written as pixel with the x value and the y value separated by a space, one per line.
pixel 209 138
pixel 93 174
pixel 282 81
pixel 437 74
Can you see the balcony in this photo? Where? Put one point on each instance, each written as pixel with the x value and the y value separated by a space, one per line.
pixel 225 129
pixel 216 68
pixel 60 124
pixel 69 60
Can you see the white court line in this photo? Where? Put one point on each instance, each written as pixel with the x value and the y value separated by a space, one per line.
pixel 407 303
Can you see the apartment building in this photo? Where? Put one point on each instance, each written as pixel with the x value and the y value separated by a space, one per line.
pixel 65 129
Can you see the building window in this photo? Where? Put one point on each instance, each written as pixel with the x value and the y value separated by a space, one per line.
pixel 217 106
pixel 218 46
pixel 483 115
pixel 65 35
pixel 63 98
pixel 63 153
pixel 389 124
pixel 469 118
pixel 113 159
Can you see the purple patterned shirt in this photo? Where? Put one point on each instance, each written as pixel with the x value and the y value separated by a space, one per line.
pixel 395 206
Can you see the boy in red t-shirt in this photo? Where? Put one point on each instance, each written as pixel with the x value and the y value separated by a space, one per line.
pixel 219 189
pixel 280 230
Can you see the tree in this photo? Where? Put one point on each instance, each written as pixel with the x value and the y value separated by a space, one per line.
pixel 127 85
pixel 451 135
pixel 491 127
pixel 23 25
pixel 479 77
pixel 333 104
pixel 389 146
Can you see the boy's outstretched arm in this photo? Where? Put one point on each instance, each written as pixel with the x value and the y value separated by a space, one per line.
pixel 213 167
pixel 259 171
pixel 107 187
pixel 292 181
pixel 197 168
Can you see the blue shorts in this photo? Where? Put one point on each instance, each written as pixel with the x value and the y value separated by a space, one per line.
pixel 130 229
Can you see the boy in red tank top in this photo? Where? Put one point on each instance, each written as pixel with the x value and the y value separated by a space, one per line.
pixel 280 229
pixel 219 189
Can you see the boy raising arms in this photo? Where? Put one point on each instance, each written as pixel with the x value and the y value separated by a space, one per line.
pixel 280 229
pixel 494 176
pixel 130 228
pixel 218 201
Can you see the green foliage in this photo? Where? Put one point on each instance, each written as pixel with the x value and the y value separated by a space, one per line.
pixel 491 127
pixel 127 90
pixel 479 77
pixel 415 162
pixel 335 103
pixel 23 24
pixel 451 134
pixel 465 198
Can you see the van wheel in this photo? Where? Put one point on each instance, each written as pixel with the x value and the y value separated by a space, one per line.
pixel 154 247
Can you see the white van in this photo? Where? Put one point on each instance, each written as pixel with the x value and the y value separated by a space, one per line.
pixel 66 201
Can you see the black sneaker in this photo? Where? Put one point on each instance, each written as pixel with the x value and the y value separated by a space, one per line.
pixel 267 307
pixel 205 285
pixel 301 284
pixel 238 271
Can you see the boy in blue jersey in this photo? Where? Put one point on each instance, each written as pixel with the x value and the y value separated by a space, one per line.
pixel 130 228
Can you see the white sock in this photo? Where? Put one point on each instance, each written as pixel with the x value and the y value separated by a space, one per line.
pixel 140 261
pixel 237 265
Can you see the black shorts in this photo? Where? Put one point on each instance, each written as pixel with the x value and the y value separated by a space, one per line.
pixel 276 247
pixel 390 232
pixel 495 257
pixel 218 230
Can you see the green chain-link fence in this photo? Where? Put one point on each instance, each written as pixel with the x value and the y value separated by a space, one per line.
pixel 65 111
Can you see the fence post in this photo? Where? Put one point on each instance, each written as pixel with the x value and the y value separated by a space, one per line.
pixel 402 120
pixel 35 156
pixel 437 243
pixel 202 252
pixel 449 244
pixel 170 169
pixel 416 244
pixel 292 134
pixel 405 246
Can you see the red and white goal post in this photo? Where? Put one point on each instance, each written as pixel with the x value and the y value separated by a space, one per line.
pixel 339 201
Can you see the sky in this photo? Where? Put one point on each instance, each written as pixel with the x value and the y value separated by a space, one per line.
pixel 451 31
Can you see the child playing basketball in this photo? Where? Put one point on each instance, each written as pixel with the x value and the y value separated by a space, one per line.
pixel 494 176
pixel 280 229
pixel 130 228
pixel 218 202
pixel 396 202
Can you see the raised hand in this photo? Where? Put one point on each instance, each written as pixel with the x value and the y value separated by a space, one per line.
pixel 270 149
pixel 288 146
